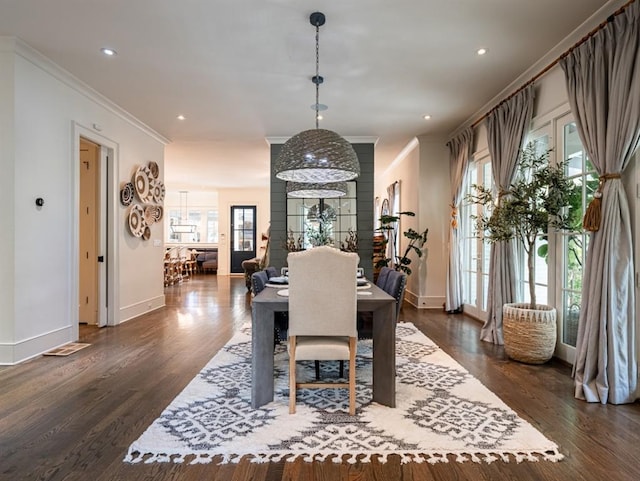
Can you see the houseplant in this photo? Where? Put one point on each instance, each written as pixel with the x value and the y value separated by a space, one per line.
pixel 416 242
pixel 539 199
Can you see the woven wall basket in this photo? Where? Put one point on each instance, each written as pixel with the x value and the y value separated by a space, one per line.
pixel 529 334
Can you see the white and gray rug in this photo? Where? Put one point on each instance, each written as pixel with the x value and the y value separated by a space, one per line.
pixel 443 413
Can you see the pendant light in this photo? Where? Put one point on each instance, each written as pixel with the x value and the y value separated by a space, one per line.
pixel 317 155
pixel 316 191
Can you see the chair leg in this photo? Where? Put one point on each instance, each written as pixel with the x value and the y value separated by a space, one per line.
pixel 292 374
pixel 352 376
pixel 341 368
pixel 317 370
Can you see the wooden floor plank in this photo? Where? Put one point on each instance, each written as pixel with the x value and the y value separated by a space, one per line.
pixel 73 418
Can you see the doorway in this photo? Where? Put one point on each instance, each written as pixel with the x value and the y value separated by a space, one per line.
pixel 88 232
pixel 243 235
pixel 108 228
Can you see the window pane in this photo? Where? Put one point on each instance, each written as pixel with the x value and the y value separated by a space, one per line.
pixel 212 226
pixel 571 314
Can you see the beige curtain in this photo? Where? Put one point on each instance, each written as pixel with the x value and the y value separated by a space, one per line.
pixel 603 81
pixel 460 149
pixel 506 127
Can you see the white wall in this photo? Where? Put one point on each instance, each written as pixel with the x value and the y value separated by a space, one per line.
pixel 7 189
pixel 435 213
pixel 49 104
pixel 261 198
pixel 423 171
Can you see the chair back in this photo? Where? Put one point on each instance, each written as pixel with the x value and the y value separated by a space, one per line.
pixel 322 292
pixel 271 272
pixel 394 286
pixel 258 281
pixel 382 276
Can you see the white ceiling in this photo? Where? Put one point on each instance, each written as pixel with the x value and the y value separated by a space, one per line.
pixel 240 70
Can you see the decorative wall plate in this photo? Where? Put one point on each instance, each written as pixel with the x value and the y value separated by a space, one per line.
pixel 127 193
pixel 142 180
pixel 158 192
pixel 146 233
pixel 150 214
pixel 158 213
pixel 154 169
pixel 136 220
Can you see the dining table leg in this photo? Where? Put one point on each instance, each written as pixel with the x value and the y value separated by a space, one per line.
pixel 384 355
pixel 262 355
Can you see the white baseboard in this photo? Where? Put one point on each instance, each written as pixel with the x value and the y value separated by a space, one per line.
pixel 139 308
pixel 424 302
pixel 17 352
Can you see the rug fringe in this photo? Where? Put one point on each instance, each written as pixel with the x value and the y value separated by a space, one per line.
pixel 135 457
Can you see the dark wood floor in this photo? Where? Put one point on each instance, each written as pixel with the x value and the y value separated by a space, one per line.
pixel 73 418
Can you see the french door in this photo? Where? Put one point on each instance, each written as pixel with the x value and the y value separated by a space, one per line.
pixel 243 235
pixel 475 252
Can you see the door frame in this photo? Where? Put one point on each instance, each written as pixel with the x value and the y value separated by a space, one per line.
pixel 108 237
pixel 232 231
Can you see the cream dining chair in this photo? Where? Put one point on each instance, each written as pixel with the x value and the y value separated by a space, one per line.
pixel 322 315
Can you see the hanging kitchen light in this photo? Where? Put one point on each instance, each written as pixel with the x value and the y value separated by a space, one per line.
pixel 317 155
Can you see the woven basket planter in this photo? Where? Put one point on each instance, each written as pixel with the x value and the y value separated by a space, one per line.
pixel 529 334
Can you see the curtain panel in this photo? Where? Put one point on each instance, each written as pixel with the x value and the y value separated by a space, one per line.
pixel 603 81
pixel 460 149
pixel 506 127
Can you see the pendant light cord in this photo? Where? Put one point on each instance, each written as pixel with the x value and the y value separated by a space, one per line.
pixel 317 77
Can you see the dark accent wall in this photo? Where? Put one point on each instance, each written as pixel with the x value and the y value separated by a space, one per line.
pixel 364 202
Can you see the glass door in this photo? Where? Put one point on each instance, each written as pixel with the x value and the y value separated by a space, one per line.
pixel 476 252
pixel 243 235
pixel 573 244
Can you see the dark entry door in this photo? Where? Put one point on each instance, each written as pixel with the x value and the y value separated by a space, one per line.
pixel 243 235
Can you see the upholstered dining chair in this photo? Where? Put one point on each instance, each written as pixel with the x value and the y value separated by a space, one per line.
pixel 259 280
pixel 271 272
pixel 322 314
pixel 393 283
pixel 382 276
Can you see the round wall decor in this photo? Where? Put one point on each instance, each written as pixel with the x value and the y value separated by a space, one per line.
pixel 154 169
pixel 142 180
pixel 127 194
pixel 158 192
pixel 136 220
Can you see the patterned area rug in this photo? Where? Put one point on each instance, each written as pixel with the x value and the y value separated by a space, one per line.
pixel 443 413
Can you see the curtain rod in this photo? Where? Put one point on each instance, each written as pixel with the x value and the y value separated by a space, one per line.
pixel 556 61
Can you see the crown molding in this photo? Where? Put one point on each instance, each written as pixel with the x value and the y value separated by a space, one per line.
pixel 37 59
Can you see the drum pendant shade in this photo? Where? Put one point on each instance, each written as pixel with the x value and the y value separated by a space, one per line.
pixel 316 191
pixel 317 155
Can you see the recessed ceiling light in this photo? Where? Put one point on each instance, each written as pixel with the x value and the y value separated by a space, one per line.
pixel 426 117
pixel 108 51
pixel 181 117
pixel 481 51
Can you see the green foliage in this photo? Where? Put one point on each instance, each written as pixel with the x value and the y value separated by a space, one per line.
pixel 416 242
pixel 540 198
pixel 321 234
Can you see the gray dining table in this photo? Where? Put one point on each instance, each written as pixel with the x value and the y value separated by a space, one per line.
pixel 381 304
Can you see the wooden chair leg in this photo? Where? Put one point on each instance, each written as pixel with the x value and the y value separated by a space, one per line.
pixel 292 374
pixel 352 376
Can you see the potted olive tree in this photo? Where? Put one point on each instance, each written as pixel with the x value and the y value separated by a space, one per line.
pixel 539 199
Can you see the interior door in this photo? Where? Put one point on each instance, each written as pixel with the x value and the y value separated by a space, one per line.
pixel 89 216
pixel 243 235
